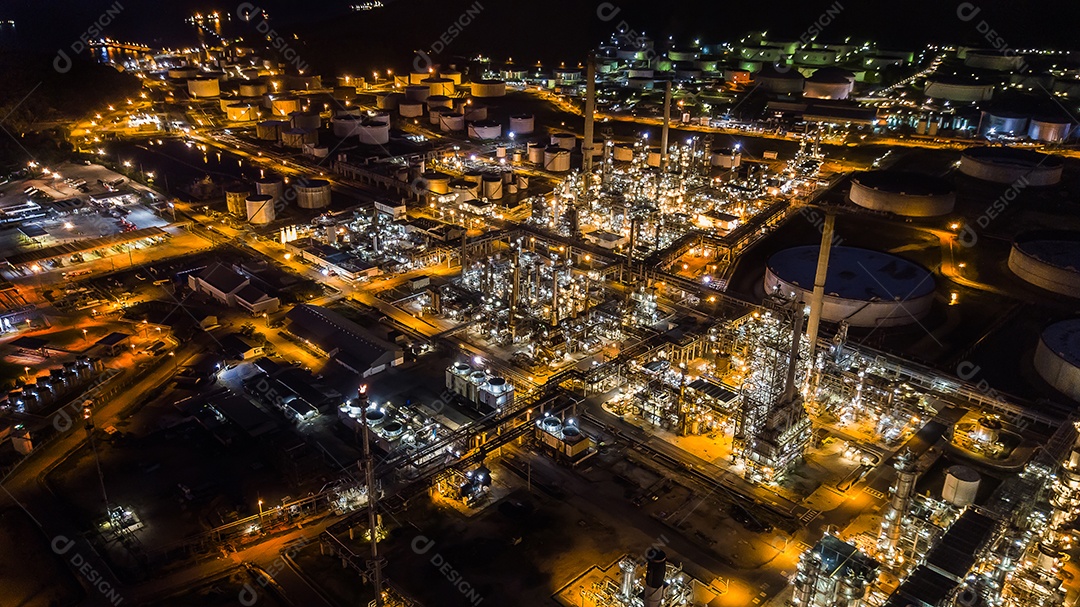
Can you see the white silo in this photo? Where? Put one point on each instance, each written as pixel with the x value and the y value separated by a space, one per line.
pixel 411 109
pixel 435 101
pixel 271 186
pixel 492 187
pixel 451 122
pixel 235 195
pixel 961 486
pixel 486 129
pixel 566 141
pixel 312 193
pixel 556 159
pixel 522 124
pixel 201 88
pixel 474 112
pixel 270 130
pixel 346 125
pixel 374 132
pixel 488 88
pixel 260 209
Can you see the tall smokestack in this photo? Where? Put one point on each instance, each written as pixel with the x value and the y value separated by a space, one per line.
pixel 655 571
pixel 667 127
pixel 817 298
pixel 590 110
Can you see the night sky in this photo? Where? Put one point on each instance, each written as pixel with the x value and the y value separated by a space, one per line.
pixel 557 27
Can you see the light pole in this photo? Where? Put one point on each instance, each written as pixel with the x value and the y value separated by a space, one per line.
pixel 84 336
pixel 27 370
pixel 260 512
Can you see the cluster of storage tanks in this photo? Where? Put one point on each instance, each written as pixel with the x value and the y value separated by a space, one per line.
pixel 475 184
pixel 479 386
pixel 1048 129
pixel 371 128
pixel 47 390
pixel 259 206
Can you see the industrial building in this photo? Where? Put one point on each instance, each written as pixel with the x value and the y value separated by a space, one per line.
pixel 342 340
pixel 231 288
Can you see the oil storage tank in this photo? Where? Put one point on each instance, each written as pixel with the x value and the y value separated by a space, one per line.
pixel 1050 260
pixel 958 89
pixel 203 88
pixel 411 109
pixel 346 125
pixel 271 186
pixel 417 92
pixel 1010 165
pixel 435 101
pixel 374 132
pixel 1050 130
pixel 903 193
pixel 485 130
pixel 488 88
pixel 305 120
pixel 961 486
pixel 451 122
pixel 522 124
pixel 270 130
pixel 296 138
pixel 252 89
pixel 284 106
pixel 866 288
pixel 1057 357
pixel 312 193
pixel 780 81
pixel 566 141
pixel 235 197
pixel 556 159
pixel 439 86
pixel 242 112
pixel 260 209
pixel 829 83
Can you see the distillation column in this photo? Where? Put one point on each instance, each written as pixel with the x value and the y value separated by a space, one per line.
pixel 901 497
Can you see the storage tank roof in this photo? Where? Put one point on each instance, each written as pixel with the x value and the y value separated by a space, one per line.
pixel 854 273
pixel 1058 249
pixel 904 182
pixel 1063 338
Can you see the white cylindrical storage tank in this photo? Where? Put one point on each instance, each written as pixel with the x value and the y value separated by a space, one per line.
pixel 1049 260
pixel 312 193
pixel 348 111
pixel 435 101
pixel 474 112
pixel 202 88
pixel 225 102
pixel 623 152
pixel 270 130
pixel 500 151
pixel 865 288
pixel 641 83
pixel 296 138
pixel 472 176
pixel 260 209
pixel 556 159
pixel 999 62
pixel 464 190
pixel 485 89
pixel 284 106
pixel 522 124
pixel 270 186
pixel 961 486
pixel 958 89
pixel 435 182
pixel 451 122
pixel 305 120
pixel 1009 165
pixel 411 109
pixel 346 125
pixel 1057 357
pixel 435 113
pixel 235 197
pixel 417 92
pixel 726 158
pixel 903 193
pixel 485 130
pixel 389 101
pixel 536 153
pixel 653 157
pixel 242 112
pixel 252 89
pixel 1003 123
pixel 640 72
pixel 1050 130
pixel 374 132
pixel 566 141
pixel 786 82
pixel 440 86
pixel 522 181
pixel 827 85
pixel 492 187
pixel 183 73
